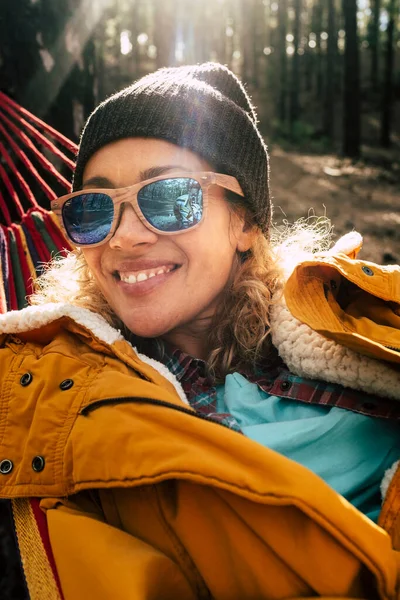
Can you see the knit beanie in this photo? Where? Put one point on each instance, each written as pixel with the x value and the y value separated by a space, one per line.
pixel 203 108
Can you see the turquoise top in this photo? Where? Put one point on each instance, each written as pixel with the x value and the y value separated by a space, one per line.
pixel 349 451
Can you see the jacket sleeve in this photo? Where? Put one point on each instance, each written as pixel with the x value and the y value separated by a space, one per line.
pixel 97 560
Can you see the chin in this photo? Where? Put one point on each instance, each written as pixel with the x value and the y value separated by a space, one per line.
pixel 147 329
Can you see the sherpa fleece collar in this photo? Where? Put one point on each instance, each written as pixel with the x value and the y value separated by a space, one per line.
pixel 305 352
pixel 36 317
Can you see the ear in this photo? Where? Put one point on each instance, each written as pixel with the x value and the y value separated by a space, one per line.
pixel 246 238
pixel 244 232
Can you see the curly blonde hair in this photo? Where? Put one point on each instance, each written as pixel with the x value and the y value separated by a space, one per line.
pixel 239 335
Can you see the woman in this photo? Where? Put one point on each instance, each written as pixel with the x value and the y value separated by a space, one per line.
pixel 146 495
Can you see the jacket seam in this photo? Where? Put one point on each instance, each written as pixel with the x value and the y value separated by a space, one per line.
pixel 6 396
pixel 69 421
pixel 180 550
pixel 327 525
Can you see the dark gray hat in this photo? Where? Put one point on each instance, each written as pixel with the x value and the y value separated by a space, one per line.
pixel 204 108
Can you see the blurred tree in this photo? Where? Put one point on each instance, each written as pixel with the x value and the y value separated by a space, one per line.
pixel 330 87
pixel 20 45
pixel 201 34
pixel 309 57
pixel 374 42
pixel 61 58
pixel 165 32
pixel 295 80
pixel 283 70
pixel 61 89
pixel 249 41
pixel 317 30
pixel 387 96
pixel 134 57
pixel 231 26
pixel 351 91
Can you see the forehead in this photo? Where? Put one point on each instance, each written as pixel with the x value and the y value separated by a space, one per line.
pixel 124 160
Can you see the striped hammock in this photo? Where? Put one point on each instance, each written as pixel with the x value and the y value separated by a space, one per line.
pixel 36 164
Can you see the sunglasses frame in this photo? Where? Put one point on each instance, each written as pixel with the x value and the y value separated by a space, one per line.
pixel 120 196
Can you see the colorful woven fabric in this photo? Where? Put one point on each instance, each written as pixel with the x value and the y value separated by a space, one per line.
pixel 53 230
pixel 32 249
pixel 4 289
pixel 27 254
pixel 16 270
pixel 13 303
pixel 37 218
pixel 25 246
pixel 25 271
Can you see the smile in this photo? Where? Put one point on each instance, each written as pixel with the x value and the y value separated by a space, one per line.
pixel 135 277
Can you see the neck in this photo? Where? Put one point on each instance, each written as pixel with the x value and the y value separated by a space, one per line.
pixel 192 340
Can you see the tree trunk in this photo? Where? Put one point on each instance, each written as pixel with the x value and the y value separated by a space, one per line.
pixel 329 110
pixel 351 95
pixel 247 42
pixel 134 57
pixel 294 89
pixel 230 39
pixel 257 35
pixel 387 99
pixel 282 32
pixel 318 14
pixel 164 33
pixel 19 47
pixel 374 43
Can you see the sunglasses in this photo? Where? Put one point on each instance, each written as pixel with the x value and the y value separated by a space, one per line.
pixel 165 205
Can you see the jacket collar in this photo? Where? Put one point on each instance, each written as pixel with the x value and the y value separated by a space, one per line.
pixel 39 322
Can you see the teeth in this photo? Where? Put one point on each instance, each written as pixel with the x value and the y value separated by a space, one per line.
pixel 143 276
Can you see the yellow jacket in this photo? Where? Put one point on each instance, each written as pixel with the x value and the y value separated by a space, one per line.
pixel 147 500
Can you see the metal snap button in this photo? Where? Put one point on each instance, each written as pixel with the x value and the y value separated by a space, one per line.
pixel 6 466
pixel 38 464
pixel 66 384
pixel 285 385
pixel 367 271
pixel 26 379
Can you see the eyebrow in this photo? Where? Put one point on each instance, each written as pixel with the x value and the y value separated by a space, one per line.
pixel 99 181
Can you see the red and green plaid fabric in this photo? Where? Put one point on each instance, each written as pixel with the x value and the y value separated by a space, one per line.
pixel 201 392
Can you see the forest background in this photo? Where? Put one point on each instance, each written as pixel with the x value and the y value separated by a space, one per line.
pixel 323 74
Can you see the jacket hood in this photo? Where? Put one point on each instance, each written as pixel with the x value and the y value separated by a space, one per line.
pixel 339 320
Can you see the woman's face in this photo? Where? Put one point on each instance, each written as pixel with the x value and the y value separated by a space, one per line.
pixel 188 272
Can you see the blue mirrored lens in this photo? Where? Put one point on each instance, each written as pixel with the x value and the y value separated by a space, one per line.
pixel 172 204
pixel 87 218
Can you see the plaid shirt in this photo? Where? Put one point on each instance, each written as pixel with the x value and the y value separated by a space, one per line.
pixel 202 396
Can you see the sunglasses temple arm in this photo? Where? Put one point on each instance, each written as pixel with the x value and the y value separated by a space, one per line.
pixel 236 189
pixel 229 183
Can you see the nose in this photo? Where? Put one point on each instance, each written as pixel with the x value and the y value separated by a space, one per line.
pixel 131 231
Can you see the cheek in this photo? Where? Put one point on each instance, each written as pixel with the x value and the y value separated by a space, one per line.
pixel 93 261
pixel 211 257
